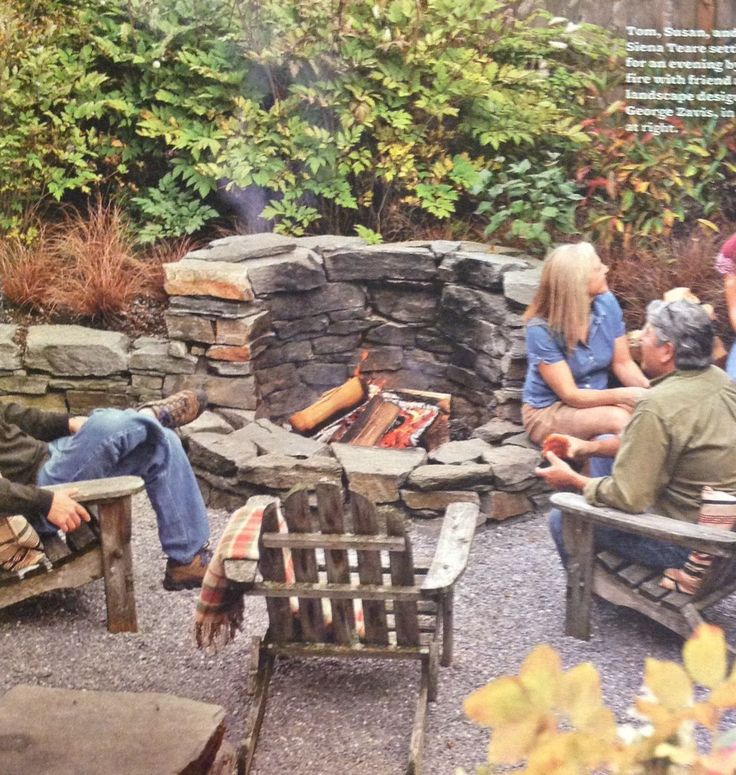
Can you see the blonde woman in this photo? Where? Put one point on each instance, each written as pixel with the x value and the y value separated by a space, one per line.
pixel 575 335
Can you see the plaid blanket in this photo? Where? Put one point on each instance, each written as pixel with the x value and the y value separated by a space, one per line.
pixel 21 549
pixel 219 612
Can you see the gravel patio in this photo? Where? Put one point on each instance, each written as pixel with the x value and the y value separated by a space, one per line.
pixel 327 718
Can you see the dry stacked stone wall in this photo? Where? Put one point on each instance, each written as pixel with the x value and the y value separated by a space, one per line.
pixel 266 323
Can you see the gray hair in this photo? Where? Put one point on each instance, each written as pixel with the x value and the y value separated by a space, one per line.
pixel 687 327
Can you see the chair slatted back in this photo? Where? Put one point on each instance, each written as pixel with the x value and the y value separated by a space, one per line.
pixel 378 560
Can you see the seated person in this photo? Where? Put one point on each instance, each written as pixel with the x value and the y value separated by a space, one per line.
pixel 679 440
pixel 41 448
pixel 575 334
pixel 726 265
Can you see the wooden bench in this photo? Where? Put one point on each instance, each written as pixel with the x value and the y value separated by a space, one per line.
pixel 636 586
pixel 98 549
pixel 342 557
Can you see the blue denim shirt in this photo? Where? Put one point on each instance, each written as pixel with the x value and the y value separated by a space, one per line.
pixel 588 363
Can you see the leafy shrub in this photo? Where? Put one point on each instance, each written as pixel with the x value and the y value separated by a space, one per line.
pixel 641 186
pixel 556 722
pixel 371 113
pixel 528 204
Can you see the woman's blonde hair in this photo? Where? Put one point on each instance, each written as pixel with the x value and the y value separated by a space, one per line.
pixel 562 298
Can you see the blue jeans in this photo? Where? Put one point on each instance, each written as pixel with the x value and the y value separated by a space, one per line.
pixel 635 548
pixel 730 367
pixel 119 443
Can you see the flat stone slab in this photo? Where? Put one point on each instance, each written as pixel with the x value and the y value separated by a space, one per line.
pixel 116 732
pixel 450 477
pixel 9 350
pixel 482 270
pixel 76 351
pixel 380 262
pixel 242 247
pixel 219 453
pixel 162 357
pixel 513 467
pixel 496 430
pixel 324 242
pixel 375 472
pixel 271 438
pixel 233 392
pixel 194 277
pixel 207 305
pixel 280 472
pixel 458 452
pixel 330 297
pixel 299 270
pixel 207 422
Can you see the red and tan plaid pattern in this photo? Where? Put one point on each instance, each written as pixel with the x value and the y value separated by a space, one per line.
pixel 219 612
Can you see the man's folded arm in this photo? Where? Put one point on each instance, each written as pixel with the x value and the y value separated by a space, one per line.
pixel 45 426
pixel 640 469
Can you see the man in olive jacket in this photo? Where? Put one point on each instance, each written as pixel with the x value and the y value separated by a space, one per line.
pixel 42 448
pixel 681 437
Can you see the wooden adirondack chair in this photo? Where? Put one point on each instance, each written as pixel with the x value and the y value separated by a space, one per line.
pixel 404 607
pixel 100 548
pixel 632 585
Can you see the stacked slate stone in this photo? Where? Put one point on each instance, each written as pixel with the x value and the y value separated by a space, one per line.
pixel 277 321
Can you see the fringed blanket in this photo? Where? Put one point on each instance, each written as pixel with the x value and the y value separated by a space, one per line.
pixel 21 549
pixel 219 612
pixel 718 509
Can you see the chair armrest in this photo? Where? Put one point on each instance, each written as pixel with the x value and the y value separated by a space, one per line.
pixel 453 547
pixel 91 490
pixel 675 531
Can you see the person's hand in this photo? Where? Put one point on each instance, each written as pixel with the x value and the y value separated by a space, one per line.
pixel 75 423
pixel 628 397
pixel 559 474
pixel 65 513
pixel 574 448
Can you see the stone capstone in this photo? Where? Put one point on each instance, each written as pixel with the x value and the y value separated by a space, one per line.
pixel 377 473
pixel 496 430
pixel 297 271
pixel 481 270
pixel 76 351
pixel 194 277
pixel 520 287
pixel 242 247
pixel 381 262
pixel 327 242
pixel 222 454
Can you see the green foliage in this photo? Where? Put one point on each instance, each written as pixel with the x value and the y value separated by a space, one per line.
pixel 528 203
pixel 371 237
pixel 640 186
pixel 372 112
pixel 555 721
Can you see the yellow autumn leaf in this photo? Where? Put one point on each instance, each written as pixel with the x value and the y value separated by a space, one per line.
pixel 668 682
pixel 555 757
pixel 676 754
pixel 503 701
pixel 580 693
pixel 540 674
pixel 704 655
pixel 661 718
pixel 511 743
pixel 707 714
pixel 724 696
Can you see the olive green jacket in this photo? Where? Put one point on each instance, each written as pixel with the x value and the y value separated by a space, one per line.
pixel 24 437
pixel 681 437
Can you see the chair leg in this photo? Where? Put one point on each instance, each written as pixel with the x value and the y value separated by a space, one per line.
pixel 259 683
pixel 579 544
pixel 447 605
pixel 117 564
pixel 417 733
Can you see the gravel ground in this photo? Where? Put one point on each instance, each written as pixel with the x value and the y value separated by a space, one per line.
pixel 327 718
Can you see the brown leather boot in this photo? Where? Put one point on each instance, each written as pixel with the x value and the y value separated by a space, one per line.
pixel 177 409
pixel 188 575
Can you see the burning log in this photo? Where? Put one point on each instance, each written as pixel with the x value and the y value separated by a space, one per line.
pixel 377 417
pixel 339 399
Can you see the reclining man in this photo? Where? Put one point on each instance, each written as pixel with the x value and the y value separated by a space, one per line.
pixel 41 448
pixel 681 438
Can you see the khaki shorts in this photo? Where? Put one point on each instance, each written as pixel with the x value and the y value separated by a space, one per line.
pixel 556 418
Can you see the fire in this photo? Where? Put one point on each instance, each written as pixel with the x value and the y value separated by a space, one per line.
pixel 409 425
